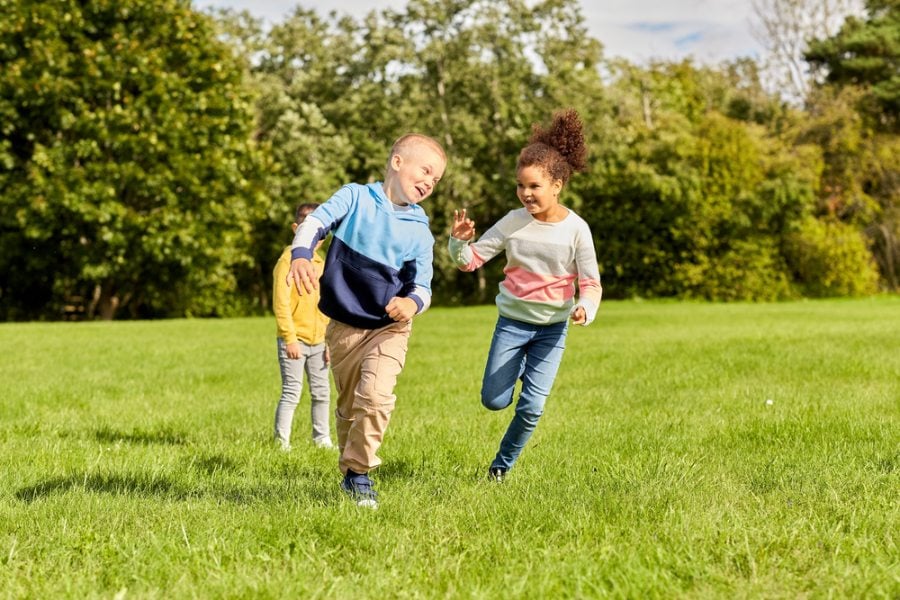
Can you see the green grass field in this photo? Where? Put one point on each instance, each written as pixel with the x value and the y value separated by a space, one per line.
pixel 138 463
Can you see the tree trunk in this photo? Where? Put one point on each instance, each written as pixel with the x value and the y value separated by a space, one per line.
pixel 103 304
pixel 482 287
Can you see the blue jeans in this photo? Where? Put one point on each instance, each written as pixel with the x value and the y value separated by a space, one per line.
pixel 528 352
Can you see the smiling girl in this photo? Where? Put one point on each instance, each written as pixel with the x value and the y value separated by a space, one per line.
pixel 549 253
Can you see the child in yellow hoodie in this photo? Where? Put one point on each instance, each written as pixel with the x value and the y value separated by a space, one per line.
pixel 301 347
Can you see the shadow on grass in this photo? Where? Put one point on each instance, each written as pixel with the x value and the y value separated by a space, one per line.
pixel 154 486
pixel 213 464
pixel 423 464
pixel 401 468
pixel 110 484
pixel 163 435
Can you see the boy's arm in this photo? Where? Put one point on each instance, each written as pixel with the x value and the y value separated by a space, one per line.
pixel 315 227
pixel 415 295
pixel 319 222
pixel 401 309
pixel 308 234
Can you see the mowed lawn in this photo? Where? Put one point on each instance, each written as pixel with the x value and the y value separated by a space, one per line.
pixel 688 450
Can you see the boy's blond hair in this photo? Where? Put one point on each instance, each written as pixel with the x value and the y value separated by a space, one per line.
pixel 407 142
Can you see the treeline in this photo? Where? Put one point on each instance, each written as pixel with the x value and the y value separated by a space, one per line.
pixel 151 155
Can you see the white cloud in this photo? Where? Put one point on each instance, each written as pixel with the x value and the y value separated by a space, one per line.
pixel 707 30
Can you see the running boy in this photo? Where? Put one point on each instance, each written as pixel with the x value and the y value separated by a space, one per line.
pixel 378 276
pixel 301 347
pixel 548 249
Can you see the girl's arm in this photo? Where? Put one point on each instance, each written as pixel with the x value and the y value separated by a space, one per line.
pixel 589 289
pixel 468 257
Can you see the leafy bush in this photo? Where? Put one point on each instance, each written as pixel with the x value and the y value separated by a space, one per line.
pixel 750 269
pixel 831 258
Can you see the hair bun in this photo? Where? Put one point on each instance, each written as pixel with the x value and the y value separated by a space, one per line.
pixel 566 136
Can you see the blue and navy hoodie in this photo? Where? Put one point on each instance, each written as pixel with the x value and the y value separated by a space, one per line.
pixel 377 253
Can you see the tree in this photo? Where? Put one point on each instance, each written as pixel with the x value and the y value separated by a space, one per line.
pixel 474 74
pixel 692 202
pixel 295 71
pixel 866 53
pixel 481 73
pixel 127 172
pixel 784 28
pixel 855 116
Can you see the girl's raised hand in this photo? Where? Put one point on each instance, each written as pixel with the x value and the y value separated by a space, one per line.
pixel 463 228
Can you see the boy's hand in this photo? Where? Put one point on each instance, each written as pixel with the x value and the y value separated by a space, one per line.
pixel 463 228
pixel 578 316
pixel 292 350
pixel 401 309
pixel 303 275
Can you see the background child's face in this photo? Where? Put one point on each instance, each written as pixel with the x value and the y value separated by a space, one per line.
pixel 412 177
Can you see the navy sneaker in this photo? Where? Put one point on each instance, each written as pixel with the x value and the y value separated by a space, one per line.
pixel 361 489
pixel 497 474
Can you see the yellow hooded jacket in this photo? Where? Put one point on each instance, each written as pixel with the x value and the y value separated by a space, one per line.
pixel 297 316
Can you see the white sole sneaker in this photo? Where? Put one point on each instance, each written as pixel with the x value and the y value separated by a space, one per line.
pixel 367 503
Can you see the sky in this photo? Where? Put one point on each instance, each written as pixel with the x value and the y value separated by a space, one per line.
pixel 639 30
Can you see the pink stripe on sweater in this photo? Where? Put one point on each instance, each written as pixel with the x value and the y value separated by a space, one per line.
pixel 538 288
pixel 475 263
pixel 590 289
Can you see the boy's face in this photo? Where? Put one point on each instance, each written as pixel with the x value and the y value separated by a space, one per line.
pixel 413 176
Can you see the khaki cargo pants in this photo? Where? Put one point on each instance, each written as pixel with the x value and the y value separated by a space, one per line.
pixel 365 364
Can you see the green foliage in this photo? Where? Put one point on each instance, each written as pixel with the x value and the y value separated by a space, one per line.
pixel 831 258
pixel 855 119
pixel 689 201
pixel 860 182
pixel 747 269
pixel 127 159
pixel 151 157
pixel 866 52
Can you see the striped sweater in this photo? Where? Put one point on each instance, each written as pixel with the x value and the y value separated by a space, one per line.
pixel 544 261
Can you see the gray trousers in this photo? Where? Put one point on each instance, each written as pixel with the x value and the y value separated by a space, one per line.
pixel 312 362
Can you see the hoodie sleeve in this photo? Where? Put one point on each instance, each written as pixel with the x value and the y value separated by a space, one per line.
pixel 319 222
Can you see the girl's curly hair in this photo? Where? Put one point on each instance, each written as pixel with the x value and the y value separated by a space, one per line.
pixel 558 149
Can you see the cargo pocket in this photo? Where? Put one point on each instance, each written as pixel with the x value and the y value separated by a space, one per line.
pixel 391 359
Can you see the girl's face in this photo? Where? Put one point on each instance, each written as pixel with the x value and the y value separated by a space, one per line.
pixel 539 194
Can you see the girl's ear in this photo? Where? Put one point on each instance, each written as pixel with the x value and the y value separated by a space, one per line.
pixel 557 186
